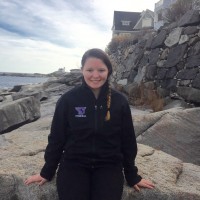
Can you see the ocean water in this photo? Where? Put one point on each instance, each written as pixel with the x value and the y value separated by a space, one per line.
pixel 7 82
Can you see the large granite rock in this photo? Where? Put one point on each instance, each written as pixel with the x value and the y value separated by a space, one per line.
pixel 22 158
pixel 173 37
pixel 175 55
pixel 174 131
pixel 22 152
pixel 159 39
pixel 40 95
pixel 191 17
pixel 190 94
pixel 16 113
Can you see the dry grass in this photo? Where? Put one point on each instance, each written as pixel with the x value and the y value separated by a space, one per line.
pixel 148 97
pixel 179 8
pixel 121 40
pixel 126 39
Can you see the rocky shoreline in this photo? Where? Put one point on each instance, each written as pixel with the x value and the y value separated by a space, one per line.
pixel 170 156
pixel 168 139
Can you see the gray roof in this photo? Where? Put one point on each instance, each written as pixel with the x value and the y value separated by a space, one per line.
pixel 120 16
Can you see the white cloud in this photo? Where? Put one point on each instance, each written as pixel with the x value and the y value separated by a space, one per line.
pixel 42 36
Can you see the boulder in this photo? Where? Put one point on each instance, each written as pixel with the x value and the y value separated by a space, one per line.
pixel 173 178
pixel 189 94
pixel 22 152
pixel 159 39
pixel 187 74
pixel 21 158
pixel 174 131
pixel 193 61
pixel 70 79
pixel 169 84
pixel 16 113
pixel 183 39
pixel 40 95
pixel 143 122
pixel 191 17
pixel 173 37
pixel 151 72
pixel 140 75
pixel 196 82
pixel 190 30
pixel 153 56
pixel 175 55
pixel 175 103
pixel 1 98
pixel 16 88
pixel 195 49
pixel 32 87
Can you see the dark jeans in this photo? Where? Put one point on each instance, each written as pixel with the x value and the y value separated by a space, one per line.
pixel 81 183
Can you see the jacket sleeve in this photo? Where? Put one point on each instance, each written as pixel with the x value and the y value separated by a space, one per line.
pixel 56 141
pixel 129 148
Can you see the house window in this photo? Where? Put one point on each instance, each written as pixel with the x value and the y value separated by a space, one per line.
pixel 126 23
pixel 146 22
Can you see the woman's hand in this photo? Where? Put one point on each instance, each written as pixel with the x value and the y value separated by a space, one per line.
pixel 144 184
pixel 35 179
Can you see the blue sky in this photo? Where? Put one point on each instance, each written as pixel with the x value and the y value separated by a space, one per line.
pixel 41 36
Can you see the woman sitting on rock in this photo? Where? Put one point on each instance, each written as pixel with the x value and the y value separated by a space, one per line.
pixel 92 140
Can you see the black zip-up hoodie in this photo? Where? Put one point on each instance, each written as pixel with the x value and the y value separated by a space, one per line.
pixel 79 133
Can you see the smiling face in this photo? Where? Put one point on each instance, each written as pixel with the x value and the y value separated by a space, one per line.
pixel 95 73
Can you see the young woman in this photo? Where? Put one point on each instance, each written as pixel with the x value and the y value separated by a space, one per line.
pixel 92 140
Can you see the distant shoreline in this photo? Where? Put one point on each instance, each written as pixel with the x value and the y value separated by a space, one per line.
pixel 23 74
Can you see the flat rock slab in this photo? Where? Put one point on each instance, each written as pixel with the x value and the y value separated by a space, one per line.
pixel 174 131
pixel 22 156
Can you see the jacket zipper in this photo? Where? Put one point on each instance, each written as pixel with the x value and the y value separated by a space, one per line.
pixel 95 118
pixel 95 130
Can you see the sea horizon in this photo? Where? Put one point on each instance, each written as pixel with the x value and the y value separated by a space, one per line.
pixel 8 82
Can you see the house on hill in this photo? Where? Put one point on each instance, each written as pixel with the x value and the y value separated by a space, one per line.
pixel 126 23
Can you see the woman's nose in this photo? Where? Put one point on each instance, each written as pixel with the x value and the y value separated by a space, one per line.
pixel 95 74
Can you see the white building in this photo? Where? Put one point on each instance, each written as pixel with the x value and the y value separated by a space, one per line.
pixel 159 12
pixel 61 70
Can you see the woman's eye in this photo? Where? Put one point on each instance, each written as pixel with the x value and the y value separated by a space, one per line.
pixel 102 70
pixel 89 70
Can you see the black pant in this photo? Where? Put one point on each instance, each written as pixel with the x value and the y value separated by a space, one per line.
pixel 81 183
